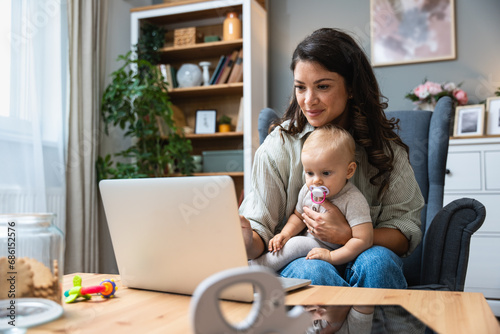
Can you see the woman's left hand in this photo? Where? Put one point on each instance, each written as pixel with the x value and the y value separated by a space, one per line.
pixel 330 226
pixel 253 243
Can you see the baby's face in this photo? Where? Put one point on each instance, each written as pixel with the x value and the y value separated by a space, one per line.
pixel 331 170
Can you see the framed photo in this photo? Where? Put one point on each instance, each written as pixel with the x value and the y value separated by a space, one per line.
pixel 407 31
pixel 469 120
pixel 206 121
pixel 493 118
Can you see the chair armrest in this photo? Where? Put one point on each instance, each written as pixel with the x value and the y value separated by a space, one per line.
pixel 446 243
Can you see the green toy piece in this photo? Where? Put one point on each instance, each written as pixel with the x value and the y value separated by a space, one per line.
pixel 75 292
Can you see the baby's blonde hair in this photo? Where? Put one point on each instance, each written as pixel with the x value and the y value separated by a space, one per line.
pixel 331 138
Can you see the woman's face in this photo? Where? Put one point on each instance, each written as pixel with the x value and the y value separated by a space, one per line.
pixel 321 94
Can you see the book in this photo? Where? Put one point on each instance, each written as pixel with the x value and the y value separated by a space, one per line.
pixel 226 59
pixel 173 73
pixel 167 75
pixel 170 79
pixel 239 122
pixel 236 73
pixel 228 66
pixel 216 73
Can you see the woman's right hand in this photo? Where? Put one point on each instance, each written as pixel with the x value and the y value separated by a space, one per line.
pixel 330 226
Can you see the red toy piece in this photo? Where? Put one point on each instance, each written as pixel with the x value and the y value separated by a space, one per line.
pixel 107 289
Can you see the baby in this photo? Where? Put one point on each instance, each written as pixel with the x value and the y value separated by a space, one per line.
pixel 328 159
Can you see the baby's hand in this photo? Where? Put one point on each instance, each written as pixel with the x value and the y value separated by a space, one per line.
pixel 277 242
pixel 319 254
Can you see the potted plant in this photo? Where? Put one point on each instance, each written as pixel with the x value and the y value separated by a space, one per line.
pixel 225 123
pixel 137 101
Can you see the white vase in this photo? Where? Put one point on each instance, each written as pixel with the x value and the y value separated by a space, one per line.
pixel 426 106
pixel 206 74
pixel 189 75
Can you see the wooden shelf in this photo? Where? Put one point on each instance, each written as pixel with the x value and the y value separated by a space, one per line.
pixel 201 91
pixel 217 135
pixel 191 16
pixel 165 4
pixel 208 50
pixel 215 141
pixel 232 174
pixel 180 2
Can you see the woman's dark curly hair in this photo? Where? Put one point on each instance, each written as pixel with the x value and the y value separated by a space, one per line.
pixel 338 52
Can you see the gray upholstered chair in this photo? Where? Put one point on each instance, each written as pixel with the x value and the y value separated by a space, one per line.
pixel 440 261
pixel 266 117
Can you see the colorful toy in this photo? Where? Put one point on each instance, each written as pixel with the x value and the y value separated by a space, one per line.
pixel 321 191
pixel 107 289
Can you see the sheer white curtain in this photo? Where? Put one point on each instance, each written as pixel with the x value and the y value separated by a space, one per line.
pixel 33 106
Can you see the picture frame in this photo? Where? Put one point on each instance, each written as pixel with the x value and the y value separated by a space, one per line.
pixel 493 116
pixel 469 121
pixel 405 31
pixel 206 121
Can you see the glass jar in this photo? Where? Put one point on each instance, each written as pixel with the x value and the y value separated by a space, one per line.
pixel 231 27
pixel 31 257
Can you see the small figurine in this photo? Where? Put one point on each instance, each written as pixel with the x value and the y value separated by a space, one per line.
pixel 107 289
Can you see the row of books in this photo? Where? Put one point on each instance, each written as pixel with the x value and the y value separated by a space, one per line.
pixel 229 68
pixel 170 75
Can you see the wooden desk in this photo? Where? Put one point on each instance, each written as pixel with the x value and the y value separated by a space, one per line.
pixel 139 311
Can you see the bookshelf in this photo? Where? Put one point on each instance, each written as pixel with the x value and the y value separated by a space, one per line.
pixel 226 98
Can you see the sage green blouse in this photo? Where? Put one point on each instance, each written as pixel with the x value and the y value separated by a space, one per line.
pixel 277 177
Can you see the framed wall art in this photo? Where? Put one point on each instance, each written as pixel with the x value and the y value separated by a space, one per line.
pixel 408 31
pixel 493 116
pixel 206 121
pixel 469 120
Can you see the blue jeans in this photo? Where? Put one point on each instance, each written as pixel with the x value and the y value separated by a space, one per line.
pixel 377 267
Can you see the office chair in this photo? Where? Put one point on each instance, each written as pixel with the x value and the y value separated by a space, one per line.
pixel 440 261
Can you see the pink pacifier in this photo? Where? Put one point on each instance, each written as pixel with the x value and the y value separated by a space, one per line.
pixel 320 191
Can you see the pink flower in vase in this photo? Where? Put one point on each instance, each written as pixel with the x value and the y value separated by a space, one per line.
pixel 421 91
pixel 433 88
pixel 461 96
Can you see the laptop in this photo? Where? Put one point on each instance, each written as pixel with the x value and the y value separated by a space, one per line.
pixel 171 233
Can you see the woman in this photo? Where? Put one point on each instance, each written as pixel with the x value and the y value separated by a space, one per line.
pixel 334 83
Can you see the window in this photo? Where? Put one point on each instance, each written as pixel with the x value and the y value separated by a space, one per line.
pixel 5 28
pixel 33 72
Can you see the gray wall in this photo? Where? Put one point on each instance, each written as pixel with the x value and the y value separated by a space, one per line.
pixel 117 43
pixel 477 38
pixel 477 63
